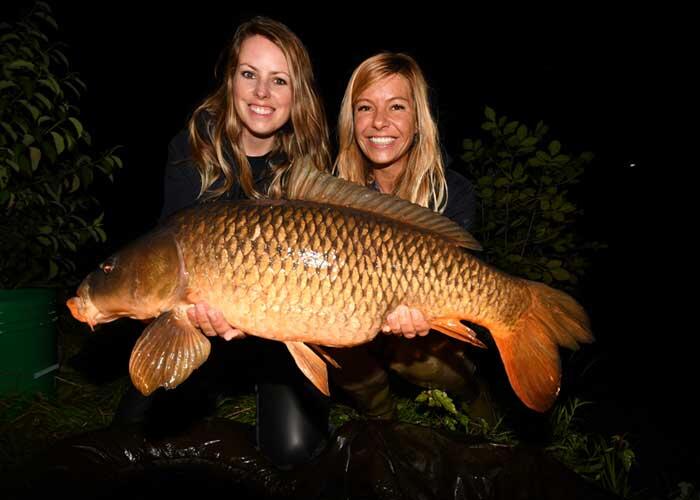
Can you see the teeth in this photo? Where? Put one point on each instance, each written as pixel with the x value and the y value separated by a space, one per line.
pixel 261 110
pixel 382 140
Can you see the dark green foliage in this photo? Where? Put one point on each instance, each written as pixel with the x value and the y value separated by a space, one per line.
pixel 47 163
pixel 526 215
pixel 606 460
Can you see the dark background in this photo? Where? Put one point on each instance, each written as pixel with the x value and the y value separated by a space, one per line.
pixel 606 82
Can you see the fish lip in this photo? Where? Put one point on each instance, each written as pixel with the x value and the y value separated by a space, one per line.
pixel 76 305
pixel 82 308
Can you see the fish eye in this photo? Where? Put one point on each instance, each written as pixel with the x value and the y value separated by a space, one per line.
pixel 107 266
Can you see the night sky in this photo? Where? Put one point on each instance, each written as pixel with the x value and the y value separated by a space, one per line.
pixel 603 82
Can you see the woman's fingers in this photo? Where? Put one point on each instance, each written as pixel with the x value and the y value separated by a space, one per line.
pixel 406 321
pixel 212 323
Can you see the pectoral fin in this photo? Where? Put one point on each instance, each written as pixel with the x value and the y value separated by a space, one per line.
pixel 310 365
pixel 453 328
pixel 166 353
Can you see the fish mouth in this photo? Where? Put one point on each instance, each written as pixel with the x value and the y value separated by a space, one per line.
pixel 84 311
pixel 75 304
pixel 82 308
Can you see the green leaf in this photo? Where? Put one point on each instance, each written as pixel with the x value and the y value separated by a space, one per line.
pixel 9 36
pixel 8 129
pixel 38 34
pixel 490 114
pixel 21 63
pixel 553 263
pixel 52 84
pixel 522 132
pixel 6 84
pixel 561 274
pixel 529 142
pixel 58 142
pixel 500 182
pixel 61 56
pixel 35 155
pixel 519 171
pixel 44 100
pixel 70 142
pixel 32 109
pixel 44 240
pixel 101 233
pixel 488 126
pixel 80 82
pixel 554 148
pixel 75 184
pixel 513 141
pixel 15 166
pixel 69 244
pixel 50 20
pixel 510 128
pixel 486 180
pixel 53 270
pixel 45 229
pixel 72 87
pixel 542 156
pixel 78 126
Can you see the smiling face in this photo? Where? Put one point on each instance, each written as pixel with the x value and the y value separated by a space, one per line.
pixel 385 124
pixel 262 93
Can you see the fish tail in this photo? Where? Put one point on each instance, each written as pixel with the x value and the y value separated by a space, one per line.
pixel 529 347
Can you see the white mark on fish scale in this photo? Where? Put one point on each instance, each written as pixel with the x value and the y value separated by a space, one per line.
pixel 314 259
pixel 256 232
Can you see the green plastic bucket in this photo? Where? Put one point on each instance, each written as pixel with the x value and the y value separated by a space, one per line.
pixel 28 347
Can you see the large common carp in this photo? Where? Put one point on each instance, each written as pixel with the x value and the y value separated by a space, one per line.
pixel 323 269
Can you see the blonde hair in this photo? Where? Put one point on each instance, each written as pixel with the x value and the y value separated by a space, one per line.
pixel 423 180
pixel 216 147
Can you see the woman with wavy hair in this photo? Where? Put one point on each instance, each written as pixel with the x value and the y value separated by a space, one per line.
pixel 240 142
pixel 388 140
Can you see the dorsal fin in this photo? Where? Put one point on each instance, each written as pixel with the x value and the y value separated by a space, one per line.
pixel 308 183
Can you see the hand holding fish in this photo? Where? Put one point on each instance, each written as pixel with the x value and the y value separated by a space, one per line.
pixel 212 323
pixel 406 321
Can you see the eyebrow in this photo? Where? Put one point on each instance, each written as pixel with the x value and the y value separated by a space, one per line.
pixel 256 69
pixel 390 99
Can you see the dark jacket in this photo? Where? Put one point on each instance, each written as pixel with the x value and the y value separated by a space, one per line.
pixel 461 200
pixel 182 182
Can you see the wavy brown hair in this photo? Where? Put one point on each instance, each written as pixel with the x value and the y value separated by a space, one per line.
pixel 215 129
pixel 423 180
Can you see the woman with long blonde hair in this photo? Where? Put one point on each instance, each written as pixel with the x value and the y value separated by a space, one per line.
pixel 388 140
